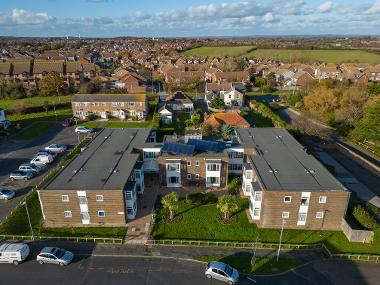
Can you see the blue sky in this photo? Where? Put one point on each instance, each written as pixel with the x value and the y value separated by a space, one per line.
pixel 108 18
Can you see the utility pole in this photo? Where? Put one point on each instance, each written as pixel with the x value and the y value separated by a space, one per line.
pixel 279 245
pixel 30 223
pixel 254 252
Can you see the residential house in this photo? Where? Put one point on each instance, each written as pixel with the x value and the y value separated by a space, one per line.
pixel 89 70
pixel 232 94
pixel 373 73
pixel 22 72
pixel 180 103
pixel 121 106
pixel 217 120
pixel 5 71
pixel 166 114
pixel 302 78
pixel 74 73
pixel 178 77
pixel 328 71
pixel 41 68
pixel 132 83
pixel 231 76
pixel 287 186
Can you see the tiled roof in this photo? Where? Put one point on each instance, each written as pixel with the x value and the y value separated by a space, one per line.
pixel 73 67
pixel 109 98
pixel 5 68
pixel 20 67
pixel 231 119
pixel 47 66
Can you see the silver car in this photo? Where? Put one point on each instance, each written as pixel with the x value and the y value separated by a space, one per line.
pixel 55 255
pixel 28 167
pixel 56 148
pixel 20 175
pixel 6 194
pixel 223 272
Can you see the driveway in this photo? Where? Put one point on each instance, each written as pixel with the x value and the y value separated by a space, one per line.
pixel 13 153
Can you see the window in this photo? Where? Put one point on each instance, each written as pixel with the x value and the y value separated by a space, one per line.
pixel 213 180
pixel 213 167
pixel 322 199
pixel 65 198
pixel 67 214
pixel 188 176
pixel 235 154
pixel 172 166
pixel 129 211
pixel 287 199
pixel 82 200
pixel 258 196
pixel 302 217
pixel 197 163
pixel 304 201
pixel 189 163
pixel 248 174
pixel 256 212
pixel 234 166
pixel 319 215
pixel 285 215
pixel 197 176
pixel 99 198
pixel 101 214
pixel 128 195
pixel 150 155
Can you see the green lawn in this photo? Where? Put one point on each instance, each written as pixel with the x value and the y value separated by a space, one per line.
pixel 200 223
pixel 258 120
pixel 90 124
pixel 33 102
pixel 242 262
pixel 219 51
pixel 34 130
pixel 27 119
pixel 332 56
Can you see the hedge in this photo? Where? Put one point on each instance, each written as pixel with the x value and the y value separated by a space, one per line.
pixel 364 217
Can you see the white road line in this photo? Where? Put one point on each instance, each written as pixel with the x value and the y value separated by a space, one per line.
pixel 251 279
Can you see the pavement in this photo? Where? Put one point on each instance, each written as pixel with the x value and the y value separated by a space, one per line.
pixel 15 152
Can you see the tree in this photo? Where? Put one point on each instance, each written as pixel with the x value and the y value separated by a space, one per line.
pixel 271 76
pixel 196 120
pixel 206 129
pixel 51 84
pixel 156 120
pixel 226 131
pixel 322 102
pixel 227 205
pixel 170 202
pixel 217 103
pixel 259 82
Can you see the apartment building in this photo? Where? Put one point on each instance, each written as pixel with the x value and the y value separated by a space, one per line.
pixel 100 186
pixel 121 106
pixel 285 185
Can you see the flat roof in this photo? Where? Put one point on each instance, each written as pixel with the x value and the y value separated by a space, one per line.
pixel 282 163
pixel 105 164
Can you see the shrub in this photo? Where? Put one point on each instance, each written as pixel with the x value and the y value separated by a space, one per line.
pixel 364 217
pixel 200 198
pixel 294 99
pixel 234 185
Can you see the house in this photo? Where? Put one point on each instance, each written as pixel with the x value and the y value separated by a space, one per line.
pixel 89 70
pixel 121 106
pixel 180 103
pixel 132 83
pixel 231 76
pixel 179 77
pixel 286 186
pixel 22 72
pixel 166 114
pixel 41 68
pixel 217 120
pixel 74 73
pixel 87 193
pixel 232 94
pixel 302 78
pixel 373 73
pixel 5 71
pixel 328 71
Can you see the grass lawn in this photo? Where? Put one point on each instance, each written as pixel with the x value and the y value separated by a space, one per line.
pixel 118 124
pixel 90 124
pixel 33 101
pixel 219 51
pixel 34 130
pixel 257 119
pixel 242 262
pixel 200 223
pixel 51 116
pixel 333 56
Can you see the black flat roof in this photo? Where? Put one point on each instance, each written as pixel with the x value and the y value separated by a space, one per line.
pixel 282 163
pixel 105 164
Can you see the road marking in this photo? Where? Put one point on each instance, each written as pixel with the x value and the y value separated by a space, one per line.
pixel 251 279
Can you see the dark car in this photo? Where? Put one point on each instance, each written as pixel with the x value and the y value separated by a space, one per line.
pixel 68 122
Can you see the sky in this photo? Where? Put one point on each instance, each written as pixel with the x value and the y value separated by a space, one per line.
pixel 188 18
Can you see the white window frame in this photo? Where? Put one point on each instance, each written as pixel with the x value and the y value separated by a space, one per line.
pixel 67 214
pixel 290 199
pixel 197 163
pixel 100 211
pixel 65 198
pixel 189 163
pixel 196 176
pixel 319 215
pixel 322 199
pixel 285 215
pixel 99 198
pixel 188 176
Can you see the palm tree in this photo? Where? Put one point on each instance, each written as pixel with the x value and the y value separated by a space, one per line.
pixel 170 202
pixel 227 204
pixel 226 131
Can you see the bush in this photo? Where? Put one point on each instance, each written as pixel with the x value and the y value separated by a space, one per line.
pixel 364 217
pixel 234 186
pixel 294 99
pixel 200 198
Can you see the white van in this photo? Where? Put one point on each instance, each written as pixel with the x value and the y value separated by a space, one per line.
pixel 42 160
pixel 13 253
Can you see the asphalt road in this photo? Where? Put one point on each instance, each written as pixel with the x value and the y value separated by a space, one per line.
pixel 102 270
pixel 13 153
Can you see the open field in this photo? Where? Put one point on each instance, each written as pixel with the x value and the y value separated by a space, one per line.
pixel 27 119
pixel 333 56
pixel 33 102
pixel 219 51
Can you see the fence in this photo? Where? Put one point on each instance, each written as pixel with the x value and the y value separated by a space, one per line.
pixel 358 257
pixel 356 235
pixel 75 239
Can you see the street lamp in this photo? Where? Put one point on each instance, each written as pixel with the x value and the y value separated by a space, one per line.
pixel 30 223
pixel 279 245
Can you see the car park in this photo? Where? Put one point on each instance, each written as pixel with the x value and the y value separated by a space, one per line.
pixel 14 253
pixel 223 272
pixel 55 255
pixel 56 148
pixel 28 167
pixel 20 175
pixel 42 160
pixel 83 130
pixel 46 152
pixel 6 194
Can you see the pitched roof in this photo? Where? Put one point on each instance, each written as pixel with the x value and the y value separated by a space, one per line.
pixel 73 67
pixel 5 68
pixel 41 66
pixel 216 87
pixel 232 119
pixel 20 67
pixel 109 98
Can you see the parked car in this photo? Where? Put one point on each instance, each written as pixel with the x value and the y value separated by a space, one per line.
pixel 68 122
pixel 83 130
pixel 46 152
pixel 13 253
pixel 55 255
pixel 6 194
pixel 42 160
pixel 56 148
pixel 28 167
pixel 223 272
pixel 20 175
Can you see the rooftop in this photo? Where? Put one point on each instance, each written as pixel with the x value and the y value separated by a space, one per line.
pixel 106 163
pixel 109 98
pixel 282 163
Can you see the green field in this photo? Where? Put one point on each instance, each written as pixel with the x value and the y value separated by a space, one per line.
pixel 34 130
pixel 27 119
pixel 33 102
pixel 219 51
pixel 333 56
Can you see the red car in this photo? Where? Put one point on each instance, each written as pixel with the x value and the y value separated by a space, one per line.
pixel 68 122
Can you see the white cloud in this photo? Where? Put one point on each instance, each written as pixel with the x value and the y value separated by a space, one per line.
pixel 326 7
pixel 375 8
pixel 249 19
pixel 268 17
pixel 23 17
